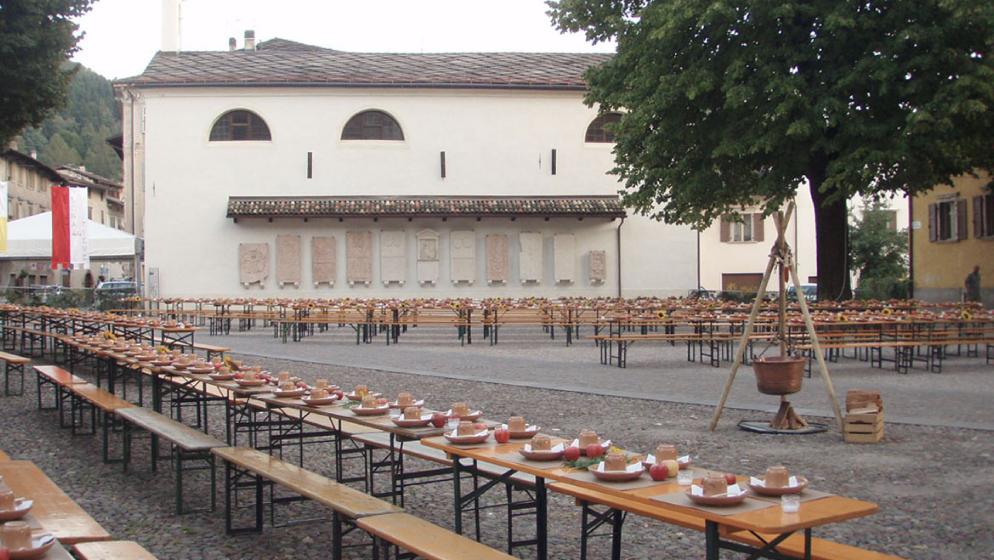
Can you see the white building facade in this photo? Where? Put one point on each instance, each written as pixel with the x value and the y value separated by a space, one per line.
pixel 464 175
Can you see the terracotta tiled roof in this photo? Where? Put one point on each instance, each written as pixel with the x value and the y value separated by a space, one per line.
pixel 423 206
pixel 279 62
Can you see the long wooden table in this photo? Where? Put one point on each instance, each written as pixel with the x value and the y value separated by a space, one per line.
pixel 56 512
pixel 771 520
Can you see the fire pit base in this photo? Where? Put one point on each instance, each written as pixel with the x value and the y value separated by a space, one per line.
pixel 763 427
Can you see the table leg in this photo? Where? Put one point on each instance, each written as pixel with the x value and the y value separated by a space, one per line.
pixel 541 519
pixel 712 537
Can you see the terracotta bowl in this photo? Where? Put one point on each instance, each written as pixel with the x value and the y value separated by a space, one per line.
pixel 718 501
pixel 21 508
pixel 614 476
pixel 222 376
pixel 542 455
pixel 330 399
pixel 528 433
pixel 475 415
pixel 375 411
pixel 250 382
pixel 39 547
pixel 802 483
pixel 201 370
pixel 424 421
pixel 279 393
pixel 467 440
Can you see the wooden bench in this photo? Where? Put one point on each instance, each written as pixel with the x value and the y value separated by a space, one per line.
pixel 211 350
pixel 57 378
pixel 13 364
pixel 793 546
pixel 101 405
pixel 345 502
pixel 424 539
pixel 188 444
pixel 112 550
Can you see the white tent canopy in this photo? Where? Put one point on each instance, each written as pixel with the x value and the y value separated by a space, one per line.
pixel 31 238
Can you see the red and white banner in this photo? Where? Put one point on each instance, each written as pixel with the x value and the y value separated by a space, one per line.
pixel 70 242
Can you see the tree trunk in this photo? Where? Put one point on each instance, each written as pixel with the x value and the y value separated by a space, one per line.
pixel 831 236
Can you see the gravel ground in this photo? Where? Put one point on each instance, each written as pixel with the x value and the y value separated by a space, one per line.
pixel 931 482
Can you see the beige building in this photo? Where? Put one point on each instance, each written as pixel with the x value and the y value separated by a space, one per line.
pixel 106 198
pixel 953 232
pixel 28 181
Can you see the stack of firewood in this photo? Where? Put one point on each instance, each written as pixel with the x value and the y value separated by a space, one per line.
pixel 787 419
pixel 864 417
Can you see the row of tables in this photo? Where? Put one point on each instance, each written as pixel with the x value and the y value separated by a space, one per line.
pixel 246 403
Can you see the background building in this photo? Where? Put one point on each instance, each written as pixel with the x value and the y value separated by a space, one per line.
pixel 294 170
pixel 28 181
pixel 106 197
pixel 952 232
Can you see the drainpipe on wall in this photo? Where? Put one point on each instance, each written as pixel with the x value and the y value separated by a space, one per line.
pixel 619 255
pixel 698 262
pixel 911 246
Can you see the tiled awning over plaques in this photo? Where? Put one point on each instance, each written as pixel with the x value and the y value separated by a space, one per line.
pixel 423 206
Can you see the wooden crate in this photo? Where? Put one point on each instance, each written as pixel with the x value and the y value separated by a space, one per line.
pixel 864 424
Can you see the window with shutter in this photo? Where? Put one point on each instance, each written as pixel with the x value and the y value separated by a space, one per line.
pixel 978 217
pixel 726 230
pixel 933 233
pixel 757 227
pixel 961 231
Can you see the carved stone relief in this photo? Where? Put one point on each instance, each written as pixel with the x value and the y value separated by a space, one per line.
pixel 288 260
pixel 497 258
pixel 253 263
pixel 462 249
pixel 598 267
pixel 564 250
pixel 427 257
pixel 530 260
pixel 393 257
pixel 359 257
pixel 324 260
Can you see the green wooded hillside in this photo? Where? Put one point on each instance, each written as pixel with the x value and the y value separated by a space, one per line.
pixel 77 133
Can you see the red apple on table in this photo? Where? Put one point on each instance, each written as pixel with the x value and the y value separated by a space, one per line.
pixel 730 478
pixel 439 419
pixel 659 471
pixel 339 393
pixel 594 450
pixel 4 553
pixel 239 376
pixel 572 453
pixel 502 435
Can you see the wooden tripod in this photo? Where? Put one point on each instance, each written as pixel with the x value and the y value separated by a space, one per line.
pixel 782 259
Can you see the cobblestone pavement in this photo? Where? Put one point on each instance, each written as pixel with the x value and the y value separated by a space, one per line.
pixel 930 481
pixel 528 357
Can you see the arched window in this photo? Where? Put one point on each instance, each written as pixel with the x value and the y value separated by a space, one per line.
pixel 239 125
pixel 372 125
pixel 598 132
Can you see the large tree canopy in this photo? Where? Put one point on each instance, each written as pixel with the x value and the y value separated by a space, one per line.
pixel 730 102
pixel 37 37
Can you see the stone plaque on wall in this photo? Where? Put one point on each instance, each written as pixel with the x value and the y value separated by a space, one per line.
pixel 324 260
pixel 530 260
pixel 359 257
pixel 564 250
pixel 288 260
pixel 253 263
pixel 393 257
pixel 462 249
pixel 427 257
pixel 497 259
pixel 598 267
